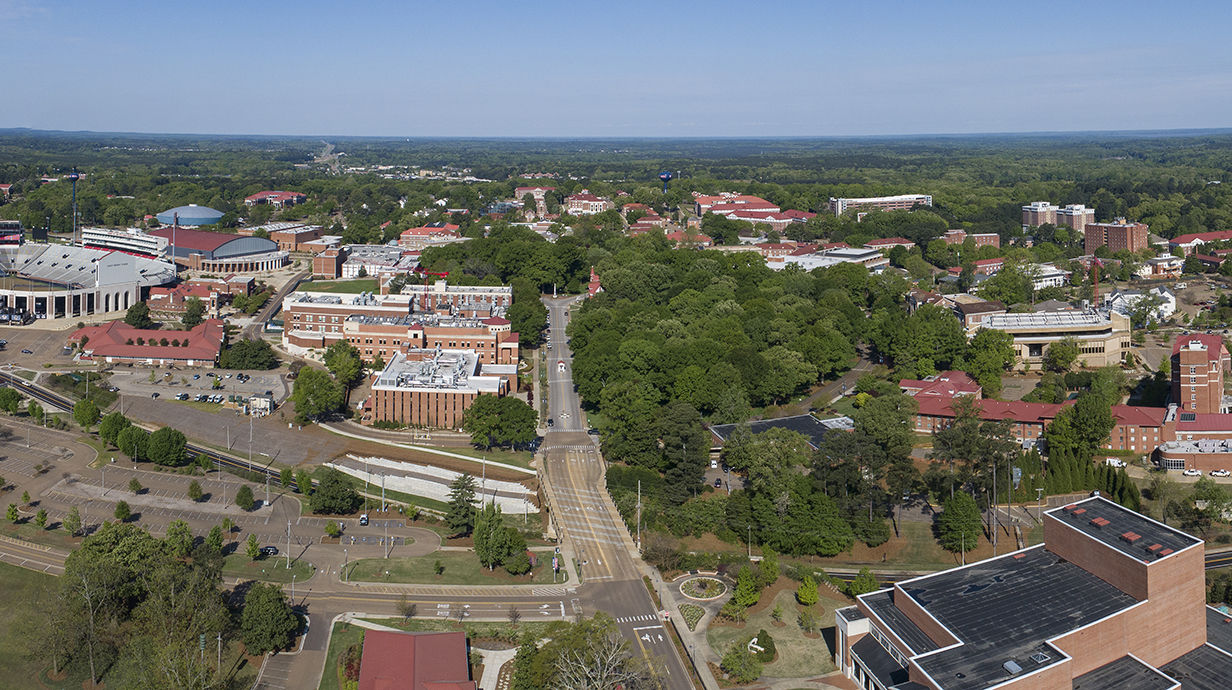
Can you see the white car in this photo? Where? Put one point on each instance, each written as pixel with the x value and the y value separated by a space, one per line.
pixel 1192 473
pixel 1220 473
pixel 1113 462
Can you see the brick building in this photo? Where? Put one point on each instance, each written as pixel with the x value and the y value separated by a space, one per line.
pixel 887 243
pixel 434 388
pixel 983 239
pixel 1189 243
pixel 434 235
pixel 276 199
pixel 947 384
pixel 1075 216
pixel 703 204
pixel 1112 600
pixel 1117 235
pixel 1198 365
pixel 116 341
pixel 584 204
pixel 1038 213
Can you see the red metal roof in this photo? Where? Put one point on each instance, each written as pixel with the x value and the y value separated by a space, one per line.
pixel 414 661
pixel 1217 236
pixel 1139 416
pixel 200 240
pixel 997 410
pixel 1214 344
pixel 1204 422
pixel 111 340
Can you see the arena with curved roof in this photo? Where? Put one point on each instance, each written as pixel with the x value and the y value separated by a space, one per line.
pixel 217 251
pixel 191 214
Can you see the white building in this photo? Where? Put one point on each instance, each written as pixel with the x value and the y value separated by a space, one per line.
pixel 1047 275
pixel 128 240
pixel 873 260
pixel 1123 301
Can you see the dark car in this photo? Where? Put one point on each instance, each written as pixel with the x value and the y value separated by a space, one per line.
pixel 27 352
pixel 718 483
pixel 269 550
pixel 153 396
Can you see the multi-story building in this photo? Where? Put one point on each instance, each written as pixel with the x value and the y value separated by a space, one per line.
pixel 217 252
pixel 468 300
pixel 1038 213
pixel 434 388
pixel 1117 235
pixel 1167 266
pixel 1198 365
pixel 584 204
pixel 383 336
pixel 374 260
pixel 982 239
pixel 1103 337
pixel 290 237
pixel 972 312
pixel 873 260
pixel 328 264
pixel 1111 600
pixel 703 204
pixel 276 199
pixel 435 235
pixel 131 240
pixel 1075 216
pixel 887 243
pixel 904 202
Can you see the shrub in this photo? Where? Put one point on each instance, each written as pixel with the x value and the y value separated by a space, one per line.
pixel 692 613
pixel 767 644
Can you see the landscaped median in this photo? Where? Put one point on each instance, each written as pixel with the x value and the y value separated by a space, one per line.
pixel 267 568
pixel 456 568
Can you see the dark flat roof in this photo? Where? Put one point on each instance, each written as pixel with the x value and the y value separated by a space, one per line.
pixel 879 661
pixel 1205 668
pixel 1003 609
pixel 1120 521
pixel 1219 632
pixel 851 614
pixel 805 424
pixel 1126 673
pixel 882 604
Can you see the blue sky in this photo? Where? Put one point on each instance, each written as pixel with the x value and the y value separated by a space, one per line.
pixel 481 68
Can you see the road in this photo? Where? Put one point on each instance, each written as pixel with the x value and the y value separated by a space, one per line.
pixel 253 330
pixel 575 470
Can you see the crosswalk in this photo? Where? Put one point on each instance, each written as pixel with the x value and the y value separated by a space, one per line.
pixel 638 619
pixel 553 591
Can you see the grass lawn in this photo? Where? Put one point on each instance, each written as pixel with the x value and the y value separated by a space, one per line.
pixel 487 629
pixel 203 406
pixel 266 569
pixel 344 635
pixel 391 496
pixel 27 530
pixel 844 406
pixel 17 597
pixel 515 458
pixel 799 656
pixel 461 568
pixel 105 456
pixel 27 375
pixel 351 287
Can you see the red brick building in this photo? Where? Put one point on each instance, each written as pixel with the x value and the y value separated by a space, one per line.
pixel 1198 365
pixel 1111 600
pixel 276 199
pixel 116 341
pixel 1116 235
pixel 434 388
pixel 584 204
pixel 947 384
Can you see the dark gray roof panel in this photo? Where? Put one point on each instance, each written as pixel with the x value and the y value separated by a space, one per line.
pixel 1125 673
pixel 805 424
pixel 1205 668
pixel 1219 629
pixel 852 614
pixel 882 604
pixel 1121 521
pixel 879 662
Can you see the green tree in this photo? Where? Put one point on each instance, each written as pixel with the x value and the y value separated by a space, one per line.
pixel 194 313
pixel 213 541
pixel 138 316
pixel 740 663
pixel 111 426
pixel 460 516
pixel 864 582
pixel 10 400
pixel 251 548
pixel 41 519
pixel 243 498
pixel 72 522
pixel 960 523
pixel 334 494
pixel 989 354
pixel 303 482
pixel 286 478
pixel 806 593
pixel 86 413
pixel 524 665
pixel 132 442
pixel 747 592
pixel 768 568
pixel 315 394
pixel 11 514
pixel 179 539
pixel 1062 355
pixel 499 421
pixel 267 623
pixel 345 363
pixel 122 511
pixel 194 491
pixel 34 411
pixel 134 485
pixel 166 447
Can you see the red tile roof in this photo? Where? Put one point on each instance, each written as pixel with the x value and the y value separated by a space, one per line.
pixel 799 215
pixel 1139 416
pixel 1214 344
pixel 888 241
pixel 946 384
pixel 1217 236
pixel 997 410
pixel 111 340
pixel 414 661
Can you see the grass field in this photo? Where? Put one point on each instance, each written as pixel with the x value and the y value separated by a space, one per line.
pixel 351 287
pixel 344 635
pixel 266 569
pixel 203 406
pixel 799 656
pixel 105 456
pixel 461 568
pixel 21 589
pixel 515 458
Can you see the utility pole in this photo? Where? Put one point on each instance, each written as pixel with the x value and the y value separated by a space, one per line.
pixel 750 542
pixel 1039 510
pixel 288 544
pixel 218 669
pixel 639 516
pixel 382 492
pixel 994 508
pixel 267 488
pixel 346 560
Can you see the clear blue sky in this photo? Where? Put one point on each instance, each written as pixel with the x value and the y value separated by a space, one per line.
pixel 484 68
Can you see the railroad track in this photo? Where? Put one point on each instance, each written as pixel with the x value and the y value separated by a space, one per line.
pixel 62 403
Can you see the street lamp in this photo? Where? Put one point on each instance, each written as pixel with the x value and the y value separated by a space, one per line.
pixel 292 590
pixel 346 560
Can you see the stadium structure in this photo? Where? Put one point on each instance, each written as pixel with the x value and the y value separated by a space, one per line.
pixel 190 215
pixel 220 252
pixel 54 281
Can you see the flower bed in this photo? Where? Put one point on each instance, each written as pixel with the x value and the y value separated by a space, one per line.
pixel 703 588
pixel 692 613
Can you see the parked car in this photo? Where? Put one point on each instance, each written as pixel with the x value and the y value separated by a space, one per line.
pixel 196 376
pixel 1220 473
pixel 1192 473
pixel 1116 463
pixel 153 396
pixel 363 520
pixel 269 550
pixel 718 483
pixel 27 352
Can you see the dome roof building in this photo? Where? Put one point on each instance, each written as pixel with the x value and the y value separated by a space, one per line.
pixel 191 214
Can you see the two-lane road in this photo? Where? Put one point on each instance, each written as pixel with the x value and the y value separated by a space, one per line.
pixel 575 470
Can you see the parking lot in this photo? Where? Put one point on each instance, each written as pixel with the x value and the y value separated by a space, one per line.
pixel 136 381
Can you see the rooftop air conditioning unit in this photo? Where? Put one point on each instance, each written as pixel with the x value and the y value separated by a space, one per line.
pixel 1012 668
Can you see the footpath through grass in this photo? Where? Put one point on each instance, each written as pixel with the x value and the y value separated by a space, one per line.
pixel 460 568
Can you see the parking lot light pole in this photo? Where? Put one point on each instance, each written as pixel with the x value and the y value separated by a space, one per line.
pixel 346 560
